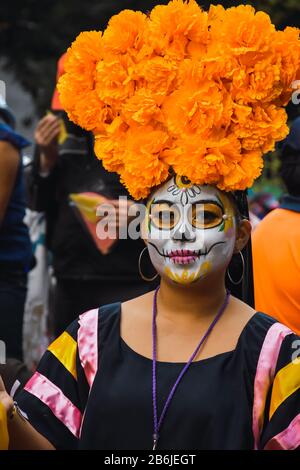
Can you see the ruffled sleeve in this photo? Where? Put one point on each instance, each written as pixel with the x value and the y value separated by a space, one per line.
pixel 55 398
pixel 276 409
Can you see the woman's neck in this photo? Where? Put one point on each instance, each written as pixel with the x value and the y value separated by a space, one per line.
pixel 193 302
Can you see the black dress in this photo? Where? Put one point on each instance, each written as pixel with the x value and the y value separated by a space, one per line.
pixel 92 391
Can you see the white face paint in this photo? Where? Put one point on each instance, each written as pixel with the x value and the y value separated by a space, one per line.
pixel 191 230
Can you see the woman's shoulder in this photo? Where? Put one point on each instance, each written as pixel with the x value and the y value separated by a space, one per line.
pixel 108 311
pixel 104 311
pixel 260 323
pixel 264 326
pixel 88 323
pixel 85 328
pixel 8 137
pixel 266 339
pixel 252 323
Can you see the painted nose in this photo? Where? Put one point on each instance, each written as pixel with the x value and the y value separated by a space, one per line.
pixel 184 234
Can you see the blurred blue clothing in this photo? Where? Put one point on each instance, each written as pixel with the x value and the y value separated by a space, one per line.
pixel 15 245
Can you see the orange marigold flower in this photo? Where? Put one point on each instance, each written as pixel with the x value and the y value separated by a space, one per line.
pixel 260 82
pixel 172 26
pixel 158 75
pixel 184 156
pixel 143 163
pixel 125 31
pixel 113 82
pixel 76 86
pixel 84 53
pixel 242 29
pixel 142 108
pixel 110 145
pixel 287 47
pixel 204 161
pixel 197 107
pixel 243 173
pixel 262 128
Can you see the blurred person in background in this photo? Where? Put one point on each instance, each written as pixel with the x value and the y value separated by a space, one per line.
pixel 276 244
pixel 262 203
pixel 65 164
pixel 16 257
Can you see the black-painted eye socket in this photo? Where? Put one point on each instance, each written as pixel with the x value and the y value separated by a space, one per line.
pixel 205 215
pixel 202 215
pixel 164 216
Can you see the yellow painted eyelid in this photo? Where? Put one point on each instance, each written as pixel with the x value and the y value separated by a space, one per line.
pixel 218 219
pixel 215 208
pixel 171 225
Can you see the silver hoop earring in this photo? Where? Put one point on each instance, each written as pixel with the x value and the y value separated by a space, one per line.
pixel 148 279
pixel 236 283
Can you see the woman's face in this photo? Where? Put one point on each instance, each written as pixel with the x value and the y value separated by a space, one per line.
pixel 190 230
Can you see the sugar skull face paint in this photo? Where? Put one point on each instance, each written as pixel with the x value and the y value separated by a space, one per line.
pixel 190 230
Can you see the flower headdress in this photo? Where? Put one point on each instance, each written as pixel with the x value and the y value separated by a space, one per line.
pixel 199 93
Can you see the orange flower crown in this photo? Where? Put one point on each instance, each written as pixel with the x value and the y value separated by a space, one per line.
pixel 198 93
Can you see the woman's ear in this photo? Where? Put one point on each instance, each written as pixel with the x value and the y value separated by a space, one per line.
pixel 243 235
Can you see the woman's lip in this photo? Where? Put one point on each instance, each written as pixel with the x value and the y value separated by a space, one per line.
pixel 183 253
pixel 183 256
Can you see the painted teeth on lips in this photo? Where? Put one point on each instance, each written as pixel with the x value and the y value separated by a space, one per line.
pixel 183 256
pixel 183 253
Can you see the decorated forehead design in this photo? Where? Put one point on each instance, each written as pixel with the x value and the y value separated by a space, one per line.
pixel 183 186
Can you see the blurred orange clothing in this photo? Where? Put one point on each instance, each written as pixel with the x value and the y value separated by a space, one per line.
pixel 276 265
pixel 55 103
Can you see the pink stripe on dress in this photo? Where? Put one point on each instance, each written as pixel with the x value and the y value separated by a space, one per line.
pixel 87 340
pixel 265 374
pixel 289 439
pixel 64 410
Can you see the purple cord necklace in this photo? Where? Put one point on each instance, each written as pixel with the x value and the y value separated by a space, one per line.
pixel 157 424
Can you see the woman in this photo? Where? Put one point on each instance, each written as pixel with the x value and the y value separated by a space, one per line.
pixel 279 294
pixel 16 257
pixel 186 366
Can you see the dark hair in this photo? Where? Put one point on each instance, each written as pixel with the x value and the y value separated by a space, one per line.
pixel 240 203
pixel 290 169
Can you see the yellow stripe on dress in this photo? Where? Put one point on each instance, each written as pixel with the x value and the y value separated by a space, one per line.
pixel 64 349
pixel 4 440
pixel 286 382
